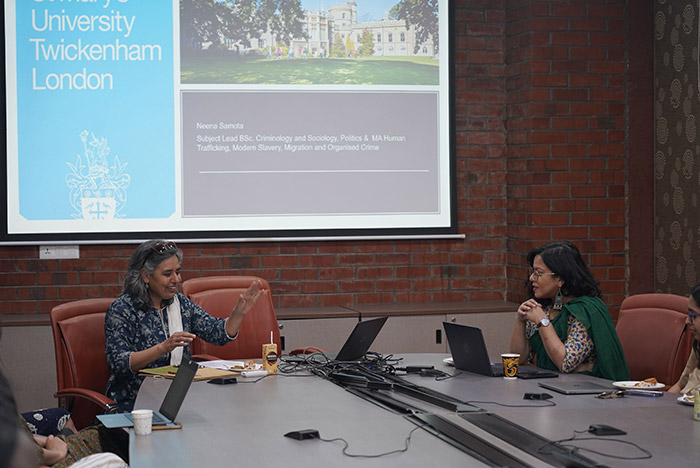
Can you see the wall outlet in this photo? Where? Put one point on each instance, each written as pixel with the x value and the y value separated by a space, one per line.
pixel 50 252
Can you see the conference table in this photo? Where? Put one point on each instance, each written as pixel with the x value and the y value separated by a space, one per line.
pixel 244 424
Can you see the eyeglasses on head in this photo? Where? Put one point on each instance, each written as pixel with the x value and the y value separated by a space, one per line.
pixel 162 247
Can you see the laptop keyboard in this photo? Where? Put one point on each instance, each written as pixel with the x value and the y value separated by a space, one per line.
pixel 157 418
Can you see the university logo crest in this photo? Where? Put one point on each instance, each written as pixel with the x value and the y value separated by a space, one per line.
pixel 97 189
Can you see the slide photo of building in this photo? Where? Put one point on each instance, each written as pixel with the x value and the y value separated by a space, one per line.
pixel 310 42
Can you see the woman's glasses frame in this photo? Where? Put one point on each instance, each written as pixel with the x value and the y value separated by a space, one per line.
pixel 532 272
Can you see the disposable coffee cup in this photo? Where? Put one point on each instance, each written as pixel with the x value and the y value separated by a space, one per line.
pixel 510 365
pixel 143 421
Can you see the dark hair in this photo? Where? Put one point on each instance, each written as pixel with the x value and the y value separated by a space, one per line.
pixel 147 257
pixel 566 262
pixel 695 294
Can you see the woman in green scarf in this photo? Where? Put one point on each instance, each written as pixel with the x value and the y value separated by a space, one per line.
pixel 565 326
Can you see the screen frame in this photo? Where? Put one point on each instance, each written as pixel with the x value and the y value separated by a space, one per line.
pixel 105 237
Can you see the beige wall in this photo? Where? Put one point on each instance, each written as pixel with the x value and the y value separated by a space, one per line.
pixel 28 361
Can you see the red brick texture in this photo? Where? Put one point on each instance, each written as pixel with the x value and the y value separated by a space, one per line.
pixel 566 157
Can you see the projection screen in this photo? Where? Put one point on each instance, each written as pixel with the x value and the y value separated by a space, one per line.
pixel 223 120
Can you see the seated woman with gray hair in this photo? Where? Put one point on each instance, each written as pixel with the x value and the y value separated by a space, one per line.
pixel 152 324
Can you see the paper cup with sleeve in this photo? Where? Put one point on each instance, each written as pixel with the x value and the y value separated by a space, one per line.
pixel 510 365
pixel 143 421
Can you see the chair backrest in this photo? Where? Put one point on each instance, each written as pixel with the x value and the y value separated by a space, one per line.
pixel 79 343
pixel 655 340
pixel 218 295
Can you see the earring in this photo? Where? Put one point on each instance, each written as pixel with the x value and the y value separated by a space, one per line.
pixel 558 301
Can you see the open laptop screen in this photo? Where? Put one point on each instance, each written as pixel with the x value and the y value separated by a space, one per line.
pixel 178 389
pixel 360 339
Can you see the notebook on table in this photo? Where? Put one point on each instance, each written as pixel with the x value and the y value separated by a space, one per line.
pixel 171 402
pixel 203 373
pixel 359 341
pixel 469 352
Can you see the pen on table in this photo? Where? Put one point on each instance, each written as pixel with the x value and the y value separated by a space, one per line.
pixel 649 393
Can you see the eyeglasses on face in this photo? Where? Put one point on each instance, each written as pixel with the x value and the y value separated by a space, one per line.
pixel 692 315
pixel 162 247
pixel 537 274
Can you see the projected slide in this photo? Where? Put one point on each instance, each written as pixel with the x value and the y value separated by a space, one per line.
pixel 226 119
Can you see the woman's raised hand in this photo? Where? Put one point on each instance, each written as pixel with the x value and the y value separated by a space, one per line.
pixel 248 299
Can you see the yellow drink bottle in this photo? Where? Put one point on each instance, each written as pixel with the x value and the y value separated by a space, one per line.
pixel 269 356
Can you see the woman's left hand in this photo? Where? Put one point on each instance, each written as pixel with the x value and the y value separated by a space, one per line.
pixel 247 300
pixel 245 303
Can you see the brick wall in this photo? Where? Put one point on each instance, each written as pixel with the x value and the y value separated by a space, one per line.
pixel 566 120
pixel 541 133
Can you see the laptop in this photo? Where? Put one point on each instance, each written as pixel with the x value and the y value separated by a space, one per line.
pixel 359 341
pixel 576 388
pixel 171 403
pixel 469 352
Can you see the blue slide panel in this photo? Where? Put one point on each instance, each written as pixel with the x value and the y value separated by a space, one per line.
pixel 83 70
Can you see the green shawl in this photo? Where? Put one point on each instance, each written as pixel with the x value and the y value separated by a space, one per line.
pixel 594 315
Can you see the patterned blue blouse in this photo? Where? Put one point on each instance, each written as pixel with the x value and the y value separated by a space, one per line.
pixel 128 329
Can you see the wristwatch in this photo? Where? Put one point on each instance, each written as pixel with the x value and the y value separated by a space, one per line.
pixel 544 322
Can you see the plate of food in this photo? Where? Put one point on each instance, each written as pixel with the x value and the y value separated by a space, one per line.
pixel 686 399
pixel 449 361
pixel 249 365
pixel 647 384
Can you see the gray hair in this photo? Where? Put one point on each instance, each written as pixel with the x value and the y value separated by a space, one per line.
pixel 146 257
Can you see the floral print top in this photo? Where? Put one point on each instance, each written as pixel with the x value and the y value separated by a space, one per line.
pixel 580 351
pixel 129 329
